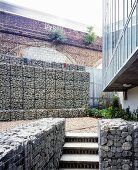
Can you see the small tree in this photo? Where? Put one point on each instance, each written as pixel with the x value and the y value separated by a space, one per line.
pixel 57 36
pixel 90 36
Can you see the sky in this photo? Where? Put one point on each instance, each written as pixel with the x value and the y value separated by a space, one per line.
pixel 88 12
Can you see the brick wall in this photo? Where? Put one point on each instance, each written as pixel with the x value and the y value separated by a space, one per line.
pixel 19 33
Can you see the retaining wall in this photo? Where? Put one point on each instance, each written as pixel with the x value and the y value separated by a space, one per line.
pixel 118 145
pixel 25 87
pixel 33 146
pixel 6 115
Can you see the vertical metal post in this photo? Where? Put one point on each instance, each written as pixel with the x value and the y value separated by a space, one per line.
pixel 93 87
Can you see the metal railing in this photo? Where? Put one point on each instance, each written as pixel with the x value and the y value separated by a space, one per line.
pixel 123 50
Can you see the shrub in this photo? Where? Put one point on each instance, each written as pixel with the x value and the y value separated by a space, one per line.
pixel 135 115
pixel 101 101
pixel 94 113
pixel 57 36
pixel 106 113
pixel 90 36
pixel 117 111
pixel 116 102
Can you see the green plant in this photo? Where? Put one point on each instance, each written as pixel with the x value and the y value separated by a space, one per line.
pixel 116 102
pixel 57 36
pixel 90 36
pixel 106 113
pixel 94 112
pixel 117 111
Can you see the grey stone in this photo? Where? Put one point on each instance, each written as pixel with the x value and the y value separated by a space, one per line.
pixel 126 153
pixel 118 154
pixel 117 143
pixel 113 149
pixel 110 154
pixel 109 143
pixel 106 148
pixel 125 167
pixel 113 131
pixel 123 128
pixel 124 134
pixel 129 138
pixel 127 146
pixel 119 149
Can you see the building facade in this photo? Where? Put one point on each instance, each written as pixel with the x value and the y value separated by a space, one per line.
pixel 120 49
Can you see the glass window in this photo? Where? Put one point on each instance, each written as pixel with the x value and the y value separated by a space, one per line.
pixel 120 15
pixel 125 10
pixel 129 38
pixel 129 6
pixel 137 24
pixel 121 50
pixel 133 2
pixel 134 30
pixel 113 25
pixel 117 20
pixel 125 44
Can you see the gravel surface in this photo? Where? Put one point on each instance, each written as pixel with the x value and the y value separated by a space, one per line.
pixel 82 124
pixel 6 125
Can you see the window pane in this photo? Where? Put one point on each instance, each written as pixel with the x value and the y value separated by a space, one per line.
pixel 134 30
pixel 129 38
pixel 120 15
pixel 129 6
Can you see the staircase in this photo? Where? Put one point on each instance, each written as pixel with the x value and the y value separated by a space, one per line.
pixel 80 151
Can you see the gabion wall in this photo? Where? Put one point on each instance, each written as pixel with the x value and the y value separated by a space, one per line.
pixel 37 145
pixel 6 115
pixel 118 145
pixel 24 87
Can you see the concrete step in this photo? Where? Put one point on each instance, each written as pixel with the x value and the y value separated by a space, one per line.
pixel 81 137
pixel 77 169
pixel 80 148
pixel 79 145
pixel 79 158
pixel 79 161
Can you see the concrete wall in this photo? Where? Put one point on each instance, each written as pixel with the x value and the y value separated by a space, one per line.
pixel 37 145
pixel 132 100
pixel 118 144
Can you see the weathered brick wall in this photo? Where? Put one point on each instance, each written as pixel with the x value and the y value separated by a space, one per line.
pixel 118 144
pixel 38 87
pixel 19 33
pixel 37 145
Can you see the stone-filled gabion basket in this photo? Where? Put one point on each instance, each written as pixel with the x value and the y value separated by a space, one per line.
pixel 37 145
pixel 118 144
pixel 31 86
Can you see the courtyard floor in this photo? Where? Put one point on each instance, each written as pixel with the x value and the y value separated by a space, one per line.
pixel 81 125
pixel 78 125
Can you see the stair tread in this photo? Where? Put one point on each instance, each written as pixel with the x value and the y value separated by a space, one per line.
pixel 76 169
pixel 79 158
pixel 90 145
pixel 82 135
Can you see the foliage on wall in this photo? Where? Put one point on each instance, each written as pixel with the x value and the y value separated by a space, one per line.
pixel 90 36
pixel 57 36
